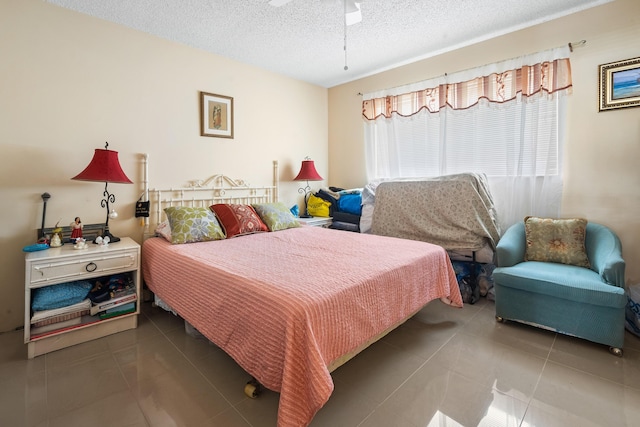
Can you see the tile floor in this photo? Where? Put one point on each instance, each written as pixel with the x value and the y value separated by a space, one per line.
pixel 444 367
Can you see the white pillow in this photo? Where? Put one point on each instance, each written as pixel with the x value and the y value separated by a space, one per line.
pixel 164 230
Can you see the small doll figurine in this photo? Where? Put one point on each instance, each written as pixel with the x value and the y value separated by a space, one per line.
pixel 76 228
pixel 56 238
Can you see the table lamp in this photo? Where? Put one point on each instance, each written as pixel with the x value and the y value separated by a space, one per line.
pixel 307 173
pixel 105 167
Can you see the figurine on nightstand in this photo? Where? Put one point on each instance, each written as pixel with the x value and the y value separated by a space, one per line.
pixel 56 237
pixel 80 243
pixel 102 241
pixel 76 229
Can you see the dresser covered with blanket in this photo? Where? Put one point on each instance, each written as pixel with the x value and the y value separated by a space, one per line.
pixel 455 211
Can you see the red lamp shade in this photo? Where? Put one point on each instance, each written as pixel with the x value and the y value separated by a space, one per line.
pixel 308 172
pixel 104 167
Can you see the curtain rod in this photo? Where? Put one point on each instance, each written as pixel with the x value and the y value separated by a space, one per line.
pixel 572 45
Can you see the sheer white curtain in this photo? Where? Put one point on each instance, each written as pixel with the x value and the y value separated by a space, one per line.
pixel 505 120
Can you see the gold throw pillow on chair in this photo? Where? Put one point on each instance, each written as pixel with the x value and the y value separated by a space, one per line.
pixel 556 240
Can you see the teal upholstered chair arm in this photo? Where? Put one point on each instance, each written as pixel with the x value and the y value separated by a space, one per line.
pixel 511 247
pixel 605 254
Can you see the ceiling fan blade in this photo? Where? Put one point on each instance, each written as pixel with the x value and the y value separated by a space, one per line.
pixel 278 3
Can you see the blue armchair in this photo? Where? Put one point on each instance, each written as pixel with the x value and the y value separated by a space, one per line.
pixel 584 302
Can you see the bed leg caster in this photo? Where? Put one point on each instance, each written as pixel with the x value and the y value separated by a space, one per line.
pixel 615 351
pixel 253 388
pixel 500 319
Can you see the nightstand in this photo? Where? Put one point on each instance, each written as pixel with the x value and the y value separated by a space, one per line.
pixel 67 264
pixel 316 221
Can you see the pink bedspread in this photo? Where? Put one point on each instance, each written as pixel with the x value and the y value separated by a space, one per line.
pixel 286 304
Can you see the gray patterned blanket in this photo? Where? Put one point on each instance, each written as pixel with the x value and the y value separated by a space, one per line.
pixel 454 211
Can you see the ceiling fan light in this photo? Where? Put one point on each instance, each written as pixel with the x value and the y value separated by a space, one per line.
pixel 353 17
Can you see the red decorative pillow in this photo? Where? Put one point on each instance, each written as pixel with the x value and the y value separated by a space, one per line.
pixel 238 219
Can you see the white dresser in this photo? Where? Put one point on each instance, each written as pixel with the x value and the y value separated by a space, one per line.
pixel 66 264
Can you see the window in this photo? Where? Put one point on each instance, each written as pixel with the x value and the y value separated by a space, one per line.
pixel 506 125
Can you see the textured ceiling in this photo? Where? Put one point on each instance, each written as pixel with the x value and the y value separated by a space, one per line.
pixel 304 39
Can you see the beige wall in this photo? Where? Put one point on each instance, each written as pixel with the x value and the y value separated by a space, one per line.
pixel 70 82
pixel 602 176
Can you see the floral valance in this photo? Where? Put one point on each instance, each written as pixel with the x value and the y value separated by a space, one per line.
pixel 498 87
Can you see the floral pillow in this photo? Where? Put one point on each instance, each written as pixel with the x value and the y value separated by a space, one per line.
pixel 276 216
pixel 556 240
pixel 238 219
pixel 189 225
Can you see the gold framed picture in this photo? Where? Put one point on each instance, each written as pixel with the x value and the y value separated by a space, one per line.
pixel 216 115
pixel 619 84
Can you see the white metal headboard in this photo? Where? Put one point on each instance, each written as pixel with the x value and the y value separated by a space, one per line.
pixel 204 193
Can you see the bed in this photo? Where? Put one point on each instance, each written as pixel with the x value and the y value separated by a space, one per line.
pixel 284 307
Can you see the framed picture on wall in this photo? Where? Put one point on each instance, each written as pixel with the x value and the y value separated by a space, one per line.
pixel 216 115
pixel 619 84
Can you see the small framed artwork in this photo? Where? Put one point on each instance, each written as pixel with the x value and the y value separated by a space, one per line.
pixel 216 115
pixel 619 84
